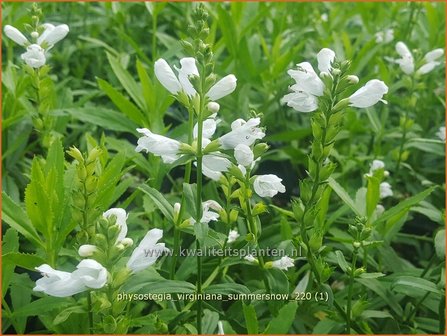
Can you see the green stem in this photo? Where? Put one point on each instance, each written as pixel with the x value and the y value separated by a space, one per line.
pixel 89 312
pixel 350 289
pixel 154 35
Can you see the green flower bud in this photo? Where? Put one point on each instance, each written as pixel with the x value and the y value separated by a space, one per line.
pixel 94 154
pixel 75 154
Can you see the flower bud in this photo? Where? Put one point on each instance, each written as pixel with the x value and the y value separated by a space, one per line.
pixel 213 107
pixel 75 154
pixel 336 72
pixel 15 35
pixel 87 250
pixel 176 212
pixel 120 246
pixel 127 242
pixel 356 244
pixel 34 34
pixel 94 154
pixel 352 79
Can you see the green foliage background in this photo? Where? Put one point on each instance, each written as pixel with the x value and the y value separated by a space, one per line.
pixel 105 88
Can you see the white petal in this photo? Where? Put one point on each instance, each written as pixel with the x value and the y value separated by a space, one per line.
pixel 325 57
pixel 369 95
pixel 54 35
pixel 121 217
pixel 433 55
pixel 188 68
pixel 166 76
pixel 15 35
pixel 222 88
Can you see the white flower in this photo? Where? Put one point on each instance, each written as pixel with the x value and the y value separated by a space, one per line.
pixel 306 79
pixel 244 155
pixel 57 283
pixel 213 166
pixel 34 56
pixel 121 217
pixel 268 185
pixel 379 209
pixel 242 132
pixel 369 95
pixel 385 36
pixel 91 273
pixel 433 55
pixel 222 88
pixel 15 35
pixel 232 236
pixel 213 107
pixel 385 190
pixel 220 329
pixel 87 250
pixel 426 68
pixel 208 128
pixel 441 133
pixel 301 101
pixel 166 76
pixel 127 242
pixel 376 165
pixel 188 67
pixel 147 252
pixel 250 258
pixel 207 214
pixel 52 34
pixel 158 145
pixel 325 58
pixel 284 263
pixel 406 62
pixel 324 17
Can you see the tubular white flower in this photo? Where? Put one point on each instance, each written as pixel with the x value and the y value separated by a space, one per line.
pixel 369 95
pixel 385 190
pixel 91 273
pixel 158 145
pixel 208 128
pixel 433 55
pixel 427 67
pixel 306 79
pixel 268 185
pixel 207 214
pixel 406 62
pixel 121 217
pixel 53 34
pixel 244 155
pixel 87 250
pixel 15 35
pixel 214 165
pixel 34 56
pixel 220 329
pixel 147 252
pixel 187 68
pixel 242 132
pixel 325 58
pixel 250 258
pixel 57 283
pixel 301 101
pixel 385 36
pixel 232 236
pixel 441 133
pixel 284 263
pixel 166 76
pixel 222 88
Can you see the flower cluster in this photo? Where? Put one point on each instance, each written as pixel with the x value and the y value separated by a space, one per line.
pixel 407 63
pixel 309 86
pixel 42 42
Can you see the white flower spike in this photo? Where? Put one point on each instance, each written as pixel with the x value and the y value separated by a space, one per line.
pixel 147 252
pixel 268 185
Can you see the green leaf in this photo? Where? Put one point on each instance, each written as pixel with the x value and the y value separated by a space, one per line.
pixel 167 286
pixel 10 244
pixel 251 320
pixel 413 286
pixel 102 117
pixel 373 275
pixel 43 306
pixel 65 314
pixel 227 288
pixel 123 104
pixel 341 192
pixel 28 261
pixel 372 195
pixel 15 217
pixel 281 324
pixel 190 193
pixel 405 205
pixel 209 322
pixel 162 204
pixel 383 292
pixel 440 243
pixel 126 80
pixel 367 314
pixel 341 261
pixel 201 231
